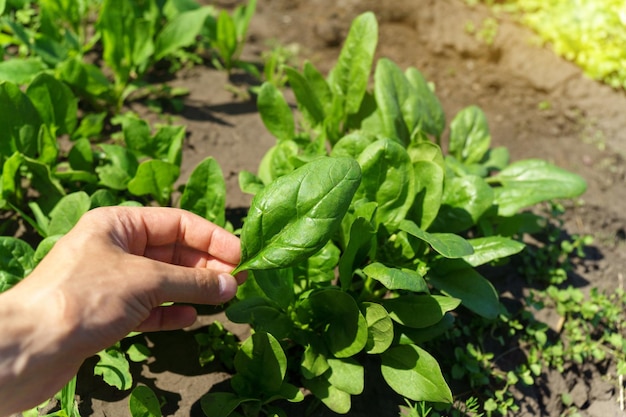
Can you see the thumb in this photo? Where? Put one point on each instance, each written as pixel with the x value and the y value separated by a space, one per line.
pixel 194 285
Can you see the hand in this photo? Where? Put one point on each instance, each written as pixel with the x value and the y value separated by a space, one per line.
pixel 107 277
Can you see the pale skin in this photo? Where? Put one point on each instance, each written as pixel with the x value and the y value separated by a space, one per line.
pixel 107 277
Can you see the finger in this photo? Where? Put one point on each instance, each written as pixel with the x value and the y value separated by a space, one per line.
pixel 184 256
pixel 163 226
pixel 168 318
pixel 192 285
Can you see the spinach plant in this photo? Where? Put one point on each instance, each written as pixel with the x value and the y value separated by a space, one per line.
pixel 363 237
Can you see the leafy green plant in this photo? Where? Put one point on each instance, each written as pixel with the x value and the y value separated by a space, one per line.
pixel 227 36
pixel 366 248
pixel 217 345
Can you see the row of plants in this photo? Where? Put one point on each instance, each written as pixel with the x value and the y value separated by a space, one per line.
pixel 365 242
pixel 590 33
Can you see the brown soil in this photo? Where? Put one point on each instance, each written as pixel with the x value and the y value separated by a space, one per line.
pixel 582 130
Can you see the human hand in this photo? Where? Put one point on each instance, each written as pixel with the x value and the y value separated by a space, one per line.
pixel 107 277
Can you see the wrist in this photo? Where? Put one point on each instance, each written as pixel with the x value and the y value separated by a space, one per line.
pixel 33 365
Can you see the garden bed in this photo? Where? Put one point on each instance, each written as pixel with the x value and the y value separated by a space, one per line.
pixel 537 105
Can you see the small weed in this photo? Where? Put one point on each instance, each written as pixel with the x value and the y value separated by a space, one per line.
pixel 217 344
pixel 554 255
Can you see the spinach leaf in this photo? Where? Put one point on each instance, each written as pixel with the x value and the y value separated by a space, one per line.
pixel 294 216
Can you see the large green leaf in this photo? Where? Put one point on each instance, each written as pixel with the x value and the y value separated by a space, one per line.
pixel 346 332
pixel 294 216
pixel 415 374
pixel 205 192
pixel 531 181
pixel 350 76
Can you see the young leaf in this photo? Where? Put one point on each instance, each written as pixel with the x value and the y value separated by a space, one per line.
pixel 55 103
pixel 392 90
pixel 262 363
pixel 205 192
pixel 16 261
pixel 361 236
pixel 379 326
pixel 19 121
pixel 415 374
pixel 396 279
pixel 307 99
pixel 114 369
pixel 67 212
pixel 388 179
pixel 491 248
pixel 294 216
pixel 425 105
pixel 181 31
pixel 275 112
pixel 346 333
pixel 464 201
pixel 349 77
pixel 469 135
pixel 347 375
pixel 429 181
pixel 337 400
pixel 156 178
pixel 531 181
pixel 144 403
pixel 448 245
pixel 120 167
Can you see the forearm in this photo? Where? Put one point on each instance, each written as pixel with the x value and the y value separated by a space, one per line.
pixel 32 368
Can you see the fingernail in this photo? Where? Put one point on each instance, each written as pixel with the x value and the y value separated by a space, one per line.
pixel 228 286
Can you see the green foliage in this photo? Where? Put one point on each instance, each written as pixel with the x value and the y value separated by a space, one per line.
pixel 362 240
pixel 361 186
pixel 217 345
